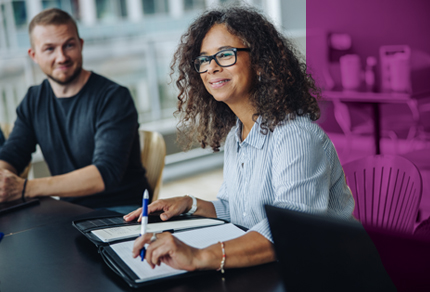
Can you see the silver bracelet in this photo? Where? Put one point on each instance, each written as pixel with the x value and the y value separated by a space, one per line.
pixel 193 207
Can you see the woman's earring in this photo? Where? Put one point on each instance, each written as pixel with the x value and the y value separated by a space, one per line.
pixel 259 78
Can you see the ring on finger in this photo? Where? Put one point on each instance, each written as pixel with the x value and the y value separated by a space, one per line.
pixel 154 237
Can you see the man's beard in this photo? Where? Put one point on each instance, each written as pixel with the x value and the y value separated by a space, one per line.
pixel 68 80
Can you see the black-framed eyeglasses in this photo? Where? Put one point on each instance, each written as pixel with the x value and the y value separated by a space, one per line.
pixel 224 58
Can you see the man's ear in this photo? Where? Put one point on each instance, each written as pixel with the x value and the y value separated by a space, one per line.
pixel 32 53
pixel 82 43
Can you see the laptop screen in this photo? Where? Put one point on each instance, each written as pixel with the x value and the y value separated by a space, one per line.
pixel 318 253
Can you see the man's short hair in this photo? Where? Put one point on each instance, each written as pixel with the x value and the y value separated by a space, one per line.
pixel 51 16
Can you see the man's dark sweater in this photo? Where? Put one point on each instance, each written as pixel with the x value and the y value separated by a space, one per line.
pixel 2 139
pixel 96 126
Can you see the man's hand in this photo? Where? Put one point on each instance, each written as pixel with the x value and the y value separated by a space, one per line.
pixel 11 186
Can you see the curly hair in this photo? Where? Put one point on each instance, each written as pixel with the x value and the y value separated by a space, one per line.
pixel 282 85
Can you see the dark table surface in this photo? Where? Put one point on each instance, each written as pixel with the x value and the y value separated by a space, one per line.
pixel 46 212
pixel 42 251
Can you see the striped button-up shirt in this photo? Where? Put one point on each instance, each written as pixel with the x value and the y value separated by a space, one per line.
pixel 294 167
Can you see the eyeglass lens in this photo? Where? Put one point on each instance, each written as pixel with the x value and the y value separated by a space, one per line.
pixel 223 58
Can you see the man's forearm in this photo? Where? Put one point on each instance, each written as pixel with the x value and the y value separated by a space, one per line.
pixel 81 182
pixel 8 166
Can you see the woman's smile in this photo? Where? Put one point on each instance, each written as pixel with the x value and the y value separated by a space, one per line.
pixel 218 82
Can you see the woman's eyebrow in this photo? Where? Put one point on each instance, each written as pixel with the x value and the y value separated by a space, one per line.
pixel 224 47
pixel 219 49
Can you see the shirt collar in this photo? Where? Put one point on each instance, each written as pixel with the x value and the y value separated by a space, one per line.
pixel 255 138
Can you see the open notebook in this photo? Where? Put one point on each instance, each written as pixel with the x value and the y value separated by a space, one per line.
pixel 138 272
pixel 132 231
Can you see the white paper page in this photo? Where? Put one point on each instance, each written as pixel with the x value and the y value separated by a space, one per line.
pixel 117 233
pixel 198 238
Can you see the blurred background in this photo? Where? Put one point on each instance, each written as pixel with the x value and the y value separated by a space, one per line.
pixel 131 42
pixel 371 57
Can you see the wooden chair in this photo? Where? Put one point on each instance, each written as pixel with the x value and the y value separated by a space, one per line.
pixel 387 191
pixel 7 129
pixel 153 153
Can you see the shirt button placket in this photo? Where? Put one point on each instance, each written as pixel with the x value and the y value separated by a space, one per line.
pixel 246 182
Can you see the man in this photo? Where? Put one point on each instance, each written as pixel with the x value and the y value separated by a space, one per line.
pixel 85 124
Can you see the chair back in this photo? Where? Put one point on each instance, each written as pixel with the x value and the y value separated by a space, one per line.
pixel 6 129
pixel 387 191
pixel 152 154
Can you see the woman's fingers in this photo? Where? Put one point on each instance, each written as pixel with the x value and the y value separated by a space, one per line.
pixel 139 243
pixel 133 215
pixel 169 214
pixel 158 205
pixel 170 207
pixel 161 247
pixel 171 251
pixel 154 245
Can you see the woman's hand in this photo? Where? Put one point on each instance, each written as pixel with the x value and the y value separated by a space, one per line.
pixel 250 249
pixel 170 207
pixel 133 215
pixel 169 250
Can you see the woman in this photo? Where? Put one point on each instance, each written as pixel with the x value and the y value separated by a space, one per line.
pixel 241 82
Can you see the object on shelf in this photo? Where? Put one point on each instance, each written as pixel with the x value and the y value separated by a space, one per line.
pixel 369 74
pixel 404 70
pixel 339 44
pixel 395 71
pixel 351 73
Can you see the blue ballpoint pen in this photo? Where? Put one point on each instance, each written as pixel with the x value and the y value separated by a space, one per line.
pixel 144 221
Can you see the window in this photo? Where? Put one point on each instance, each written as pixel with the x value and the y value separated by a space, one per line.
pixel 70 6
pixel 194 4
pixel 155 6
pixel 19 13
pixel 123 8
pixel 111 10
pixel 46 4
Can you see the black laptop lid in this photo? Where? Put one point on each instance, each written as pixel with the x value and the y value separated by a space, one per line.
pixel 317 253
pixel 7 207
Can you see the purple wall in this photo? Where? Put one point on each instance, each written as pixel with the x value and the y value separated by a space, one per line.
pixel 373 23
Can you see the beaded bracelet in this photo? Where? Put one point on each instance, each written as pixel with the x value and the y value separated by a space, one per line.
pixel 221 267
pixel 23 190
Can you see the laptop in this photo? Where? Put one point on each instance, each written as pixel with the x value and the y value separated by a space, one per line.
pixel 318 253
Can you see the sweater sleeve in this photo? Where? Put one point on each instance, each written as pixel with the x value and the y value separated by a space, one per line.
pixel 116 129
pixel 21 143
pixel 2 139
